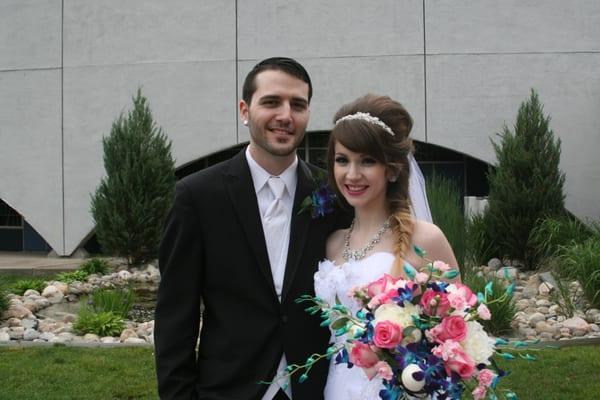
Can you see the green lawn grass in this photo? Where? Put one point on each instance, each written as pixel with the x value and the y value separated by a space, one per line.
pixel 569 373
pixel 47 373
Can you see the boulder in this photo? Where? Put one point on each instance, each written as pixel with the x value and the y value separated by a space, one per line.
pixel 576 324
pixel 17 310
pixel 128 333
pixel 53 294
pixel 495 264
pixel 30 334
pixel 4 337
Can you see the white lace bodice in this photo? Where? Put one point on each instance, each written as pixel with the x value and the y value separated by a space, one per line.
pixel 331 280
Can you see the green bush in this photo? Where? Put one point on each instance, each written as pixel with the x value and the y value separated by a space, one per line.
pixel 4 302
pixel 502 311
pixel 132 200
pixel 72 276
pixel 446 210
pixel 581 261
pixel 101 324
pixel 23 285
pixel 551 234
pixel 117 301
pixel 479 248
pixel 526 184
pixel 95 266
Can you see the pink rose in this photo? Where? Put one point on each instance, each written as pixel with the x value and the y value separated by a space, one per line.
pixel 381 285
pixel 362 355
pixel 486 377
pixel 451 328
pixel 382 298
pixel 484 312
pixel 382 369
pixel 387 334
pixel 479 393
pixel 466 293
pixel 421 277
pixel 442 266
pixel 435 303
pixel 455 359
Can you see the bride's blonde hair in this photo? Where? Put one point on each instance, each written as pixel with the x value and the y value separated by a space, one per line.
pixel 362 135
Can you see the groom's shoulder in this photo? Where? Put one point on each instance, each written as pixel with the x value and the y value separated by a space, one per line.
pixel 206 178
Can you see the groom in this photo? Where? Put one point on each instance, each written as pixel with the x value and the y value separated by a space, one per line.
pixel 234 241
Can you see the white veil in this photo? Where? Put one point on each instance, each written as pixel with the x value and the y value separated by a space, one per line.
pixel 418 192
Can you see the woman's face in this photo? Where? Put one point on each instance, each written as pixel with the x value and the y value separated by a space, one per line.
pixel 360 178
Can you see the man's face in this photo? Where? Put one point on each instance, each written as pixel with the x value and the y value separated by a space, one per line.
pixel 277 114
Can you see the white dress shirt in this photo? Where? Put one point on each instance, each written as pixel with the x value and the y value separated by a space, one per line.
pixel 264 197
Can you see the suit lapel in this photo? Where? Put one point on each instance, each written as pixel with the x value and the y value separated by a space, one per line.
pixel 243 197
pixel 299 226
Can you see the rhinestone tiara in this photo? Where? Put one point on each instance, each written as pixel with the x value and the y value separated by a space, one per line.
pixel 363 116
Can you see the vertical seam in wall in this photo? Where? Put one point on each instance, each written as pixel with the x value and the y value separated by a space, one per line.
pixel 62 118
pixel 425 72
pixel 237 94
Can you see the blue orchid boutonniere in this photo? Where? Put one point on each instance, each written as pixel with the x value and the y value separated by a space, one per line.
pixel 321 201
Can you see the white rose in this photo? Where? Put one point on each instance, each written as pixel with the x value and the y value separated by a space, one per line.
pixel 394 313
pixel 478 344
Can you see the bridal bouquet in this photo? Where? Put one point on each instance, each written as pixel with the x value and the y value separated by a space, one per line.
pixel 420 335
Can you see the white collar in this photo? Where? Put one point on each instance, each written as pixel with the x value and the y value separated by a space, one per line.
pixel 260 176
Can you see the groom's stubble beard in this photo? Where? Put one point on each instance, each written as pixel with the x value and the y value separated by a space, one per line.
pixel 266 140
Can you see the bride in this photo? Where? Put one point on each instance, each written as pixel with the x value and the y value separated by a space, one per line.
pixel 369 162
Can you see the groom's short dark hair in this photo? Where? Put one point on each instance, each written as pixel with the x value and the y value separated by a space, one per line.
pixel 285 64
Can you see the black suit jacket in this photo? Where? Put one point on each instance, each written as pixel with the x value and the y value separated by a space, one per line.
pixel 213 250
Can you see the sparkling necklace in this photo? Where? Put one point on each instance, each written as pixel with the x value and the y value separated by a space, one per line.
pixel 349 254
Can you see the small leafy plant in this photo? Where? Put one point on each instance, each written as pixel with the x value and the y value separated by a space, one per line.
pixel 101 324
pixel 117 301
pixel 582 262
pixel 95 266
pixel 4 302
pixel 23 285
pixel 72 276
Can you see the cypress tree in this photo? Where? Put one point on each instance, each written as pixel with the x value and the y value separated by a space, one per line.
pixel 133 199
pixel 527 183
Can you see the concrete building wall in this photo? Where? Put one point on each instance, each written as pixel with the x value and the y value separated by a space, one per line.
pixel 461 67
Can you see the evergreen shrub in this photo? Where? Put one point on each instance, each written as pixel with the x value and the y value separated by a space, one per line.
pixel 132 200
pixel 526 184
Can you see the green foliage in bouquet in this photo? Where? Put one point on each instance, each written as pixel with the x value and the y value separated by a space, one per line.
pixel 23 285
pixel 502 307
pixel 446 210
pixel 132 200
pixel 95 266
pixel 101 324
pixel 117 301
pixel 72 276
pixel 526 184
pixel 582 262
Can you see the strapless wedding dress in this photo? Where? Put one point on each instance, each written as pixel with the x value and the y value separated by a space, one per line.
pixel 331 280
